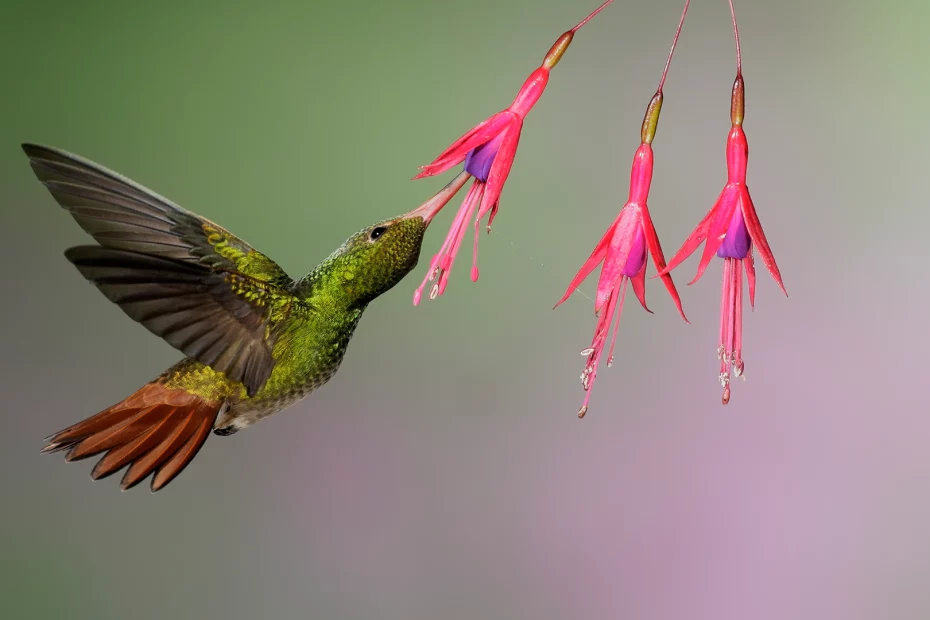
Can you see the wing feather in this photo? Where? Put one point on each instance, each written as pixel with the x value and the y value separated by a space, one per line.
pixel 123 214
pixel 194 309
pixel 188 280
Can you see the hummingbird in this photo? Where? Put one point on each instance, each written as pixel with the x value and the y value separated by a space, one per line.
pixel 256 341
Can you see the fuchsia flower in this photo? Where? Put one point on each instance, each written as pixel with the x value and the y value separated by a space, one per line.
pixel 623 247
pixel 488 151
pixel 731 228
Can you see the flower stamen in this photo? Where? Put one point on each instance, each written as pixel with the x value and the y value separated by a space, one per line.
pixel 729 350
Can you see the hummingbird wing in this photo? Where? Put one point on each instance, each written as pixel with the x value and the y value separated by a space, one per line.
pixel 186 279
pixel 122 214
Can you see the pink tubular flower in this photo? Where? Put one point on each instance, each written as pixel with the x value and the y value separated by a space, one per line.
pixel 488 151
pixel 623 247
pixel 731 228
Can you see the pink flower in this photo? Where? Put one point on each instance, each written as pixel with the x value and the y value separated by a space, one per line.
pixel 488 150
pixel 623 247
pixel 731 228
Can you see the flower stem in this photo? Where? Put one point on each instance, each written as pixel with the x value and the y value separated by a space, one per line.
pixel 651 118
pixel 668 61
pixel 558 48
pixel 739 56
pixel 738 98
pixel 588 18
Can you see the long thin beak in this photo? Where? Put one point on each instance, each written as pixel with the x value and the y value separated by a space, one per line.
pixel 434 205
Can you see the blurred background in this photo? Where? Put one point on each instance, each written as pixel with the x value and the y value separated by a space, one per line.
pixel 443 472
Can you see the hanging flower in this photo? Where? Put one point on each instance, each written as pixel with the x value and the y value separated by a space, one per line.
pixel 731 229
pixel 623 247
pixel 488 150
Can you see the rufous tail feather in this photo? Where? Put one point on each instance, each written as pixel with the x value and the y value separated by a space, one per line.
pixel 158 429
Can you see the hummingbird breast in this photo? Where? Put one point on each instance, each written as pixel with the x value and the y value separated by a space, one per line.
pixel 307 355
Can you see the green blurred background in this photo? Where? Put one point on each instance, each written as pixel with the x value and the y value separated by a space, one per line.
pixel 443 473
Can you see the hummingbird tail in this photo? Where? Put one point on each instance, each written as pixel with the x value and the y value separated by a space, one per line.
pixel 158 429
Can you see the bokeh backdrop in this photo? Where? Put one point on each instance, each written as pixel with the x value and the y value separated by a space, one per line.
pixel 443 473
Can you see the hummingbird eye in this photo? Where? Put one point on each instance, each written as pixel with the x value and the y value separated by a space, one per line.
pixel 377 232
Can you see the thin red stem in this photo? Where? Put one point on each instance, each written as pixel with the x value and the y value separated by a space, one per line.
pixel 739 56
pixel 738 336
pixel 610 354
pixel 668 61
pixel 722 347
pixel 731 311
pixel 588 18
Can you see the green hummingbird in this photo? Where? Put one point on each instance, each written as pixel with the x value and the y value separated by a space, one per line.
pixel 256 340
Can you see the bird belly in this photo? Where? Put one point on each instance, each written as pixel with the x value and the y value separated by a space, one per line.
pixel 245 412
pixel 307 356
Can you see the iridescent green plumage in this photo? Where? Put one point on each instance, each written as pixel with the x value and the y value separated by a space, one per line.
pixel 256 340
pixel 311 323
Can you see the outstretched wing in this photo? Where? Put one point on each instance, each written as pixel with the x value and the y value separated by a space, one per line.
pixel 187 280
pixel 119 213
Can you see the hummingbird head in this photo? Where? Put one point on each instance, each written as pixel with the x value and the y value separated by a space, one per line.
pixel 376 258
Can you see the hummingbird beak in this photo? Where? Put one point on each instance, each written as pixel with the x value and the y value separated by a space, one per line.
pixel 434 205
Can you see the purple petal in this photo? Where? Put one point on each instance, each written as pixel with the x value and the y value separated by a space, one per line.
pixel 736 242
pixel 637 256
pixel 478 161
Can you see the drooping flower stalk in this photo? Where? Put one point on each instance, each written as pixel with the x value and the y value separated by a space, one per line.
pixel 488 150
pixel 623 247
pixel 731 228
